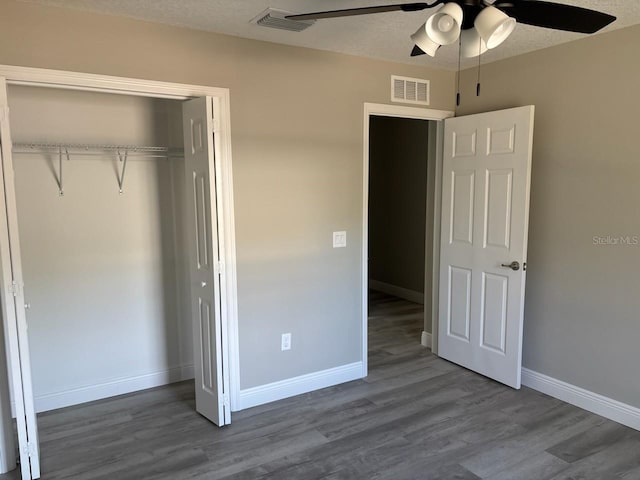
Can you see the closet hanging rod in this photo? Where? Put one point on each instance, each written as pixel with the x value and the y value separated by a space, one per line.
pixel 91 149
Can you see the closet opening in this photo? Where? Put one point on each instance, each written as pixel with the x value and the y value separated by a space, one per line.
pixel 118 239
pixel 104 267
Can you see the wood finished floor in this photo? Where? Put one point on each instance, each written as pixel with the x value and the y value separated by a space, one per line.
pixel 414 417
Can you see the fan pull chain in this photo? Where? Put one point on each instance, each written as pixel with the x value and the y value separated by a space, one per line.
pixel 459 55
pixel 479 55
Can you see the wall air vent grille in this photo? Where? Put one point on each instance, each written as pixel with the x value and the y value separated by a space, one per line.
pixel 273 18
pixel 409 90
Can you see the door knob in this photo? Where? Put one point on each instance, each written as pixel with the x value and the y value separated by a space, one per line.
pixel 204 284
pixel 515 266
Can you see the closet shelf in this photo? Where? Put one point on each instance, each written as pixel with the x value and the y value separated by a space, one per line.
pixel 94 149
pixel 121 153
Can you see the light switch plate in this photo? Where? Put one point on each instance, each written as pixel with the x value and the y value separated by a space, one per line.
pixel 339 239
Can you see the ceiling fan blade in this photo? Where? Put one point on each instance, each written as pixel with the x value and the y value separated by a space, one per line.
pixel 555 15
pixel 416 51
pixel 405 7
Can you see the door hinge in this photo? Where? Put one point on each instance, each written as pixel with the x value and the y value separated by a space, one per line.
pixel 219 268
pixel 29 450
pixel 226 401
pixel 14 288
pixel 215 125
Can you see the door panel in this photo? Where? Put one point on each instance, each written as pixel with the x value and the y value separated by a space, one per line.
pixel 462 212
pixel 494 311
pixel 13 305
pixel 485 217
pixel 459 303
pixel 498 208
pixel 500 140
pixel 208 351
pixel 464 143
pixel 204 261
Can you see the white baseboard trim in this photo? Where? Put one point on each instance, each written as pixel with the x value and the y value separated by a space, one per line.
pixel 411 295
pixel 271 392
pixel 425 339
pixel 593 402
pixel 111 388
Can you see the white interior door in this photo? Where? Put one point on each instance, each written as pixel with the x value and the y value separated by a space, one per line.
pixel 205 267
pixel 13 305
pixel 483 249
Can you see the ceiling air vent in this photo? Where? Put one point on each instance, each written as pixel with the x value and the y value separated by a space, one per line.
pixel 273 18
pixel 409 90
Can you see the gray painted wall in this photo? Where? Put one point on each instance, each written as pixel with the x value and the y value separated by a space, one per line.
pixel 398 152
pixel 103 272
pixel 581 315
pixel 297 123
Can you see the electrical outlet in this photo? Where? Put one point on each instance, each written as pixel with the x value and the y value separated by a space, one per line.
pixel 286 342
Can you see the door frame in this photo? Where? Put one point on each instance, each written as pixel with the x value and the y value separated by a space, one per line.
pixel 39 77
pixel 433 204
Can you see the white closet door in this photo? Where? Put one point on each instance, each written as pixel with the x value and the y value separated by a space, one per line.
pixel 483 246
pixel 205 267
pixel 13 305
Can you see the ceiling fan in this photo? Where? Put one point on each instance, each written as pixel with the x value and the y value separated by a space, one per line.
pixel 480 25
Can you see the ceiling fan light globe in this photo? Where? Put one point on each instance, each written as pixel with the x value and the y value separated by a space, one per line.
pixel 502 33
pixel 443 27
pixel 494 26
pixel 445 23
pixel 422 40
pixel 472 43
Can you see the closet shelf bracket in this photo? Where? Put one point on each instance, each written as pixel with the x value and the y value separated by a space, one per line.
pixel 123 160
pixel 59 178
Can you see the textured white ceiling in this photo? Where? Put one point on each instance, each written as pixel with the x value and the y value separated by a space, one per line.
pixel 383 36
